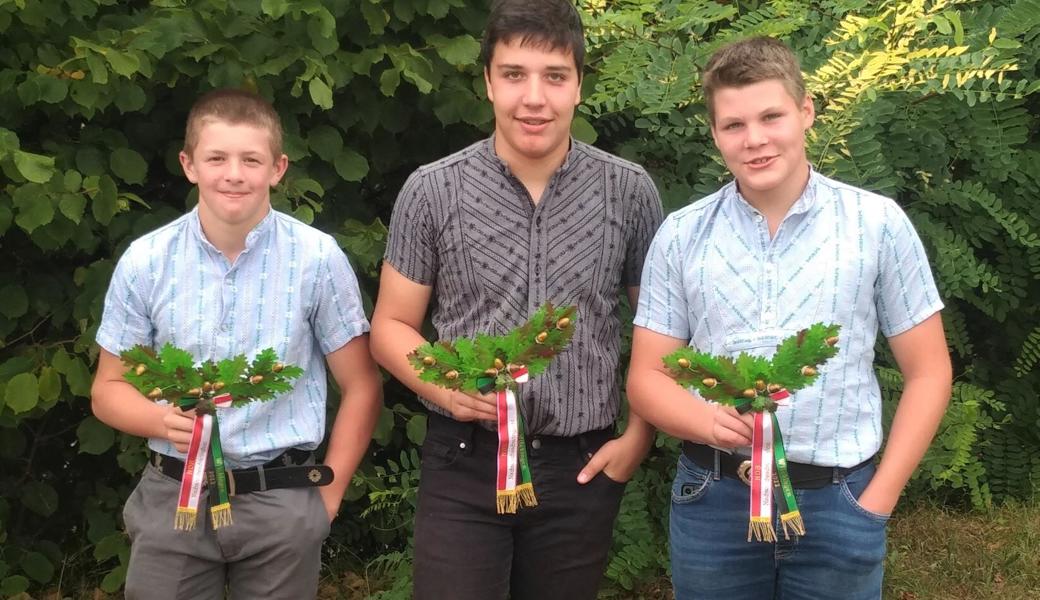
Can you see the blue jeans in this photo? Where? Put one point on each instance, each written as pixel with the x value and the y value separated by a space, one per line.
pixel 841 556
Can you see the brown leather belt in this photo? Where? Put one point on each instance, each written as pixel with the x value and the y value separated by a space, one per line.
pixel 288 470
pixel 803 476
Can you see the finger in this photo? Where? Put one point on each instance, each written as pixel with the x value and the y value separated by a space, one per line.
pixel 596 464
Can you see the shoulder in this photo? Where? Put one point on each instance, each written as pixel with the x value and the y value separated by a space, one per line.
pixel 584 152
pixel 700 210
pixel 314 244
pixel 473 154
pixel 157 243
pixel 871 209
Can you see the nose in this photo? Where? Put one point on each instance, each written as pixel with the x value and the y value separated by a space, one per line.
pixel 534 93
pixel 233 172
pixel 754 136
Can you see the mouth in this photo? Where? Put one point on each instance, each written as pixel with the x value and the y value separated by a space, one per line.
pixel 762 161
pixel 533 124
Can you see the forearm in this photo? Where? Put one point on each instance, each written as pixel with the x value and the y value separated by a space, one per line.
pixel 657 399
pixel 917 418
pixel 352 430
pixel 392 341
pixel 120 406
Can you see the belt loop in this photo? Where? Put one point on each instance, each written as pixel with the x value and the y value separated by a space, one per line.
pixel 230 481
pixel 836 475
pixel 718 465
pixel 263 478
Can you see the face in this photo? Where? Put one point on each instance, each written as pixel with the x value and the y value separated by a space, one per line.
pixel 760 132
pixel 234 169
pixel 533 91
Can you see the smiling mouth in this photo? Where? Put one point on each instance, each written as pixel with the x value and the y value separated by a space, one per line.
pixel 758 162
pixel 533 122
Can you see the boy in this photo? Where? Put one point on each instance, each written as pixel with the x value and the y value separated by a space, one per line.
pixel 235 277
pixel 494 231
pixel 777 250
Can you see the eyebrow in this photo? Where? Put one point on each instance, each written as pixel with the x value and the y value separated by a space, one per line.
pixel 554 68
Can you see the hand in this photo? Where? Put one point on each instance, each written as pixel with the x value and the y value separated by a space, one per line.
pixel 730 428
pixel 331 497
pixel 618 459
pixel 877 500
pixel 472 407
pixel 179 425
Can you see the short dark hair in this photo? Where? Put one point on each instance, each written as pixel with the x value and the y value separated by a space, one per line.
pixel 749 61
pixel 236 107
pixel 552 24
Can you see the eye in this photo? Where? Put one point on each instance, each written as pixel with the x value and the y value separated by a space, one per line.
pixel 557 77
pixel 512 75
pixel 253 161
pixel 215 159
pixel 732 126
pixel 773 116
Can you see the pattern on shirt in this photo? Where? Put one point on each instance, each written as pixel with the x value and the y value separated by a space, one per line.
pixel 466 226
pixel 843 255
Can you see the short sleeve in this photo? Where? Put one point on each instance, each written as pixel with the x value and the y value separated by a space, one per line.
pixel 645 217
pixel 662 297
pixel 905 293
pixel 411 247
pixel 339 314
pixel 125 320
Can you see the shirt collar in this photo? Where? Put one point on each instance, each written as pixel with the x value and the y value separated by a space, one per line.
pixel 803 204
pixel 255 236
pixel 487 150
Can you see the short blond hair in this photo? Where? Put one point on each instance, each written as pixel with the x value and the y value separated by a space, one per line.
pixel 236 107
pixel 748 61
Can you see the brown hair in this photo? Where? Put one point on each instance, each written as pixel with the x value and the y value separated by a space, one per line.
pixel 749 61
pixel 549 24
pixel 237 107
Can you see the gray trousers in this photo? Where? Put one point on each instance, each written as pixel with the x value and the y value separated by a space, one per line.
pixel 272 551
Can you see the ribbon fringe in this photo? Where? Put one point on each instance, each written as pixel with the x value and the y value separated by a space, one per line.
pixel 506 501
pixel 184 519
pixel 220 515
pixel 792 521
pixel 525 494
pixel 761 529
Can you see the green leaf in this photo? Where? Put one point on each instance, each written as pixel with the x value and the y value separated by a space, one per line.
pixel 37 566
pixel 350 165
pixel 1006 44
pixel 110 546
pixel 461 50
pixel 90 161
pixel 389 80
pixel 105 203
pixel 50 384
pixel 96 67
pixel 34 207
pixel 276 9
pixel 321 93
pixel 114 580
pixel 72 181
pixel 375 16
pixel 13 301
pixel 52 89
pixel 123 63
pixel 13 585
pixel 326 141
pixel 77 376
pixel 94 436
pixel 582 130
pixel 34 167
pixel 22 392
pixel 304 213
pixel 72 206
pixel 128 165
pixel 39 498
pixel 416 429
pixel 384 430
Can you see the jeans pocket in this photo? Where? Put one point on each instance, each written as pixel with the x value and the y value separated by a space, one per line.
pixel 440 453
pixel 852 486
pixel 691 481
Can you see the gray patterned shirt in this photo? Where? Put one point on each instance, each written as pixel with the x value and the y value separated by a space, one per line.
pixel 466 226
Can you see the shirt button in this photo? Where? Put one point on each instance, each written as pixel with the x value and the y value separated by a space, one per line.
pixel 758 218
pixel 462 445
pixel 224 327
pixel 536 443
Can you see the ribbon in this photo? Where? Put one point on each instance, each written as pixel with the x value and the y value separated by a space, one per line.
pixel 512 459
pixel 205 443
pixel 770 480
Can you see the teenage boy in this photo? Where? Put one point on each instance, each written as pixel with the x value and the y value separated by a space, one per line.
pixel 777 250
pixel 492 232
pixel 235 277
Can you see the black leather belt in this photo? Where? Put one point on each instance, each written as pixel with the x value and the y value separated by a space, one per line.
pixel 288 470
pixel 803 476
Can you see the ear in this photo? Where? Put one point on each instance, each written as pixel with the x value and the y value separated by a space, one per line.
pixel 281 165
pixel 188 166
pixel 487 85
pixel 808 110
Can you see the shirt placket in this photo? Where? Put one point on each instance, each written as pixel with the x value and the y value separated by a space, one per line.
pixel 768 290
pixel 538 259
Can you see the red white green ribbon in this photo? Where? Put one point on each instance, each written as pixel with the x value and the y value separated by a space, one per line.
pixel 513 487
pixel 769 479
pixel 205 443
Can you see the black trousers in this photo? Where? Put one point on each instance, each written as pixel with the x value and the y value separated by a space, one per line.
pixel 464 550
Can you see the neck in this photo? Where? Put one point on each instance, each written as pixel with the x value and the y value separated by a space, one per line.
pixel 775 203
pixel 230 240
pixel 533 173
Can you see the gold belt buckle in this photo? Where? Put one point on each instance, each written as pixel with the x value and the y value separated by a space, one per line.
pixel 744 472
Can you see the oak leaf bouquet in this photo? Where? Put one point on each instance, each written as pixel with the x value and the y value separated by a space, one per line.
pixel 500 363
pixel 756 384
pixel 171 374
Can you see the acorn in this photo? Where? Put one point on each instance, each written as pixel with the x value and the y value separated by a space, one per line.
pixel 750 393
pixel 429 361
pixel 563 323
pixel 684 363
pixel 499 364
pixel 760 385
pixel 709 382
pixel 277 367
pixel 541 337
pixel 218 386
pixel 831 340
pixel 773 388
pixel 140 369
pixel 451 375
pixel 207 387
pixel 491 372
pixel 256 379
pixel 155 394
pixel 195 392
pixel 808 371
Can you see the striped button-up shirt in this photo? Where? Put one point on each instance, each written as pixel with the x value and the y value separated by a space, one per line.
pixel 291 289
pixel 466 226
pixel 841 255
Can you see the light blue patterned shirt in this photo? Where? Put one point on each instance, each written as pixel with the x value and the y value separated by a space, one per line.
pixel 291 289
pixel 841 255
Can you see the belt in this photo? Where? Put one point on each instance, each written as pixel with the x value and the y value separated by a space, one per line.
pixel 803 476
pixel 469 432
pixel 286 471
